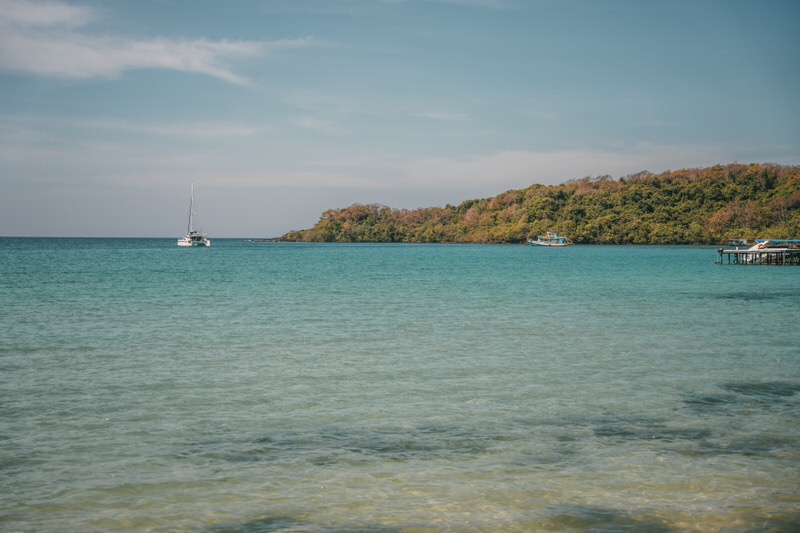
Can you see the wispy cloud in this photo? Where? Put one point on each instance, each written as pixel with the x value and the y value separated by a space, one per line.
pixel 14 124
pixel 190 130
pixel 442 116
pixel 51 39
pixel 491 4
pixel 495 172
pixel 319 126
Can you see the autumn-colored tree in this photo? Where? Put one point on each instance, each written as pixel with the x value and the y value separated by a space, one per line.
pixel 688 206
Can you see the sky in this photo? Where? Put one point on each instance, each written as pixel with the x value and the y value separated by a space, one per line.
pixel 278 110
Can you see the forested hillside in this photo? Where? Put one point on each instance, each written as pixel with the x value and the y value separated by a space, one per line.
pixel 693 206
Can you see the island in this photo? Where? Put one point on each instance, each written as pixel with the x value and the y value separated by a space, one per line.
pixel 691 206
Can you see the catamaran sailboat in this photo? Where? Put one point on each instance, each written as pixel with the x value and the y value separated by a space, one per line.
pixel 193 237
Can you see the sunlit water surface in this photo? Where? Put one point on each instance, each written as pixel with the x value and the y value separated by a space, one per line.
pixel 260 387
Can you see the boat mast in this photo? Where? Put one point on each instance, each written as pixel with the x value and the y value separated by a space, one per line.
pixel 191 209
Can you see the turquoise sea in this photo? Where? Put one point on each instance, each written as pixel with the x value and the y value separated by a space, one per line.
pixel 273 387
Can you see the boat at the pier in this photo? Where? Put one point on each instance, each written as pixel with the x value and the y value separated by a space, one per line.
pixel 764 252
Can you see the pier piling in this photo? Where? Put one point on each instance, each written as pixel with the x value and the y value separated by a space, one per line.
pixel 762 256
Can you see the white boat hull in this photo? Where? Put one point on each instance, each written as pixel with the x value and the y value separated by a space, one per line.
pixel 189 242
pixel 552 245
pixel 553 240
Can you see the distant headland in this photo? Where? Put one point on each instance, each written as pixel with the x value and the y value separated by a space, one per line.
pixel 691 206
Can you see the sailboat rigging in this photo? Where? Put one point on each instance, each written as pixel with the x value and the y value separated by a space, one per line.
pixel 193 237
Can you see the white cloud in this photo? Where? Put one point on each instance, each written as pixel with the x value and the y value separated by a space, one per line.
pixel 49 39
pixel 191 130
pixel 12 128
pixel 496 172
pixel 43 14
pixel 319 126
pixel 440 116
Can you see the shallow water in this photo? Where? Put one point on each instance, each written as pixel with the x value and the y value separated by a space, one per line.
pixel 399 388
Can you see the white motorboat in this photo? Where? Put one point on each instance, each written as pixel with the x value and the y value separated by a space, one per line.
pixel 550 239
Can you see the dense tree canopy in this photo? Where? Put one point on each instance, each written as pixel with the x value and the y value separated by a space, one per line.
pixel 693 206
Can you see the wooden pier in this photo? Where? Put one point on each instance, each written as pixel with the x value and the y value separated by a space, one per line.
pixel 761 256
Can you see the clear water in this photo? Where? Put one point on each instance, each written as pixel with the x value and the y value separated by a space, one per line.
pixel 395 388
